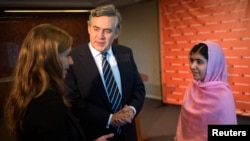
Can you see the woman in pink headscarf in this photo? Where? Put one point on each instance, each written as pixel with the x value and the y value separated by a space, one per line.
pixel 208 99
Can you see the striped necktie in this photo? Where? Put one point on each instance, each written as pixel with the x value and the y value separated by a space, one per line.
pixel 111 86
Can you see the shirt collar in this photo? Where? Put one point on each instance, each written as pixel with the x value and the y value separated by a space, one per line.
pixel 96 53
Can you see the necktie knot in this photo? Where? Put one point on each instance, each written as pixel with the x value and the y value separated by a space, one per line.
pixel 104 55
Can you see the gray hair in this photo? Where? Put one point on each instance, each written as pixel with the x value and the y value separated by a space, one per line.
pixel 106 10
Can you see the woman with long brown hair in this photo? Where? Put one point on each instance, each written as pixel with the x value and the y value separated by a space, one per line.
pixel 36 108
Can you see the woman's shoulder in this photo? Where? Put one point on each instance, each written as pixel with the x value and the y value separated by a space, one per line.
pixel 45 115
pixel 48 103
pixel 48 97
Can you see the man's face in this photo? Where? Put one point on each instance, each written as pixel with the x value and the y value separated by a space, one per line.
pixel 102 31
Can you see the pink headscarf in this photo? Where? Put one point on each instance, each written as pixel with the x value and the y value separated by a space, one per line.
pixel 207 102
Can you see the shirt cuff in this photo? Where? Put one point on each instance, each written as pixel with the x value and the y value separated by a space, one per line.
pixel 108 124
pixel 133 108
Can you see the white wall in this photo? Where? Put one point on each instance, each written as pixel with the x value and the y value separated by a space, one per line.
pixel 140 32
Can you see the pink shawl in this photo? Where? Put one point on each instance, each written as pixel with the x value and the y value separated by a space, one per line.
pixel 207 102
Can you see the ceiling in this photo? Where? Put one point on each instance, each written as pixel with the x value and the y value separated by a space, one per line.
pixel 63 3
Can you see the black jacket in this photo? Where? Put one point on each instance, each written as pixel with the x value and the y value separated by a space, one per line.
pixel 48 119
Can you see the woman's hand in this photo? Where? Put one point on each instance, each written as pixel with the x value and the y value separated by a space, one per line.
pixel 105 137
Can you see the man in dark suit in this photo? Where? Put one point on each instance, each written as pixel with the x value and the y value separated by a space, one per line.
pixel 86 82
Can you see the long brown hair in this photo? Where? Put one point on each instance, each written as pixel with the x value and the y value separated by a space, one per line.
pixel 38 69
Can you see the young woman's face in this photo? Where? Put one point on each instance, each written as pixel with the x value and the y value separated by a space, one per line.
pixel 198 66
pixel 66 60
